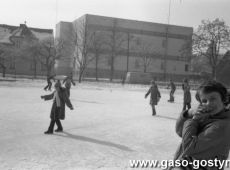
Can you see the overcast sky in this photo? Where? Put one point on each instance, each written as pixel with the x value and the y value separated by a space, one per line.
pixel 46 13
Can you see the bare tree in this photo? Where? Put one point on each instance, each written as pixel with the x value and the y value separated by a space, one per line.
pixel 116 45
pixel 49 51
pixel 97 43
pixel 5 52
pixel 210 40
pixel 81 45
pixel 146 54
pixel 29 51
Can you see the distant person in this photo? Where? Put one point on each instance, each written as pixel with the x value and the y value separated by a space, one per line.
pixel 172 91
pixel 154 97
pixel 60 99
pixel 49 83
pixel 68 81
pixel 187 95
pixel 205 131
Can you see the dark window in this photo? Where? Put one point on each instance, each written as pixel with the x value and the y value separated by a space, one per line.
pixel 32 66
pixel 43 68
pixel 186 67
pixel 12 63
pixel 137 64
pixel 162 65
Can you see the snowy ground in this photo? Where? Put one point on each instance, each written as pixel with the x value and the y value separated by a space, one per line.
pixel 110 125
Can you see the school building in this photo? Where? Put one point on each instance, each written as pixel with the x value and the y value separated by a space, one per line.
pixel 115 46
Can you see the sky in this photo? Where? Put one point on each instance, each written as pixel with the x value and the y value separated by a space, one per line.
pixel 47 13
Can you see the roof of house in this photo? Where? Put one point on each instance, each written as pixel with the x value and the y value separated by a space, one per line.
pixel 8 31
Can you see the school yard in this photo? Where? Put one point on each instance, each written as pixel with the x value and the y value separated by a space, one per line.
pixel 110 125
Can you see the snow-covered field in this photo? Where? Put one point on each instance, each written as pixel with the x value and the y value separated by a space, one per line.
pixel 110 125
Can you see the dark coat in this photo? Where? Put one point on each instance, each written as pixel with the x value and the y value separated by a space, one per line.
pixel 64 101
pixel 205 140
pixel 68 81
pixel 187 94
pixel 155 94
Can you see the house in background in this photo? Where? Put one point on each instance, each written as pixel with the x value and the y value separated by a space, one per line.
pixel 115 46
pixel 12 38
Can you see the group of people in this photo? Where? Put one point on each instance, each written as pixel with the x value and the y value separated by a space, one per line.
pixel 60 98
pixel 156 95
pixel 204 131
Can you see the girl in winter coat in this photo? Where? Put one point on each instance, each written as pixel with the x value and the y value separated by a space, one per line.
pixel 155 96
pixel 205 131
pixel 60 99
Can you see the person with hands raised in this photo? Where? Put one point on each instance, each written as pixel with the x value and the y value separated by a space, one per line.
pixel 60 99
pixel 205 130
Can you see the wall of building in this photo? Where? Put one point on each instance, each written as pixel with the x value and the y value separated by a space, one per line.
pixel 131 35
pixel 64 33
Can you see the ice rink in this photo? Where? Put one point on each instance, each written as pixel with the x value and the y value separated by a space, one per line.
pixel 110 125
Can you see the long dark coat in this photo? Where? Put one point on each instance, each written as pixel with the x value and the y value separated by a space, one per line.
pixel 207 140
pixel 187 94
pixel 64 101
pixel 155 94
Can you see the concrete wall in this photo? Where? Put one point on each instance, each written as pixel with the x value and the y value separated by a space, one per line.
pixel 136 33
pixel 64 34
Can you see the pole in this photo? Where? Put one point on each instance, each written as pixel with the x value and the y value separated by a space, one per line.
pixel 166 42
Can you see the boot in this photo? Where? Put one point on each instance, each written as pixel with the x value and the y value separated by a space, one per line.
pixel 48 132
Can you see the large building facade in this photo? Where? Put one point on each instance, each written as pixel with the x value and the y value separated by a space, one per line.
pixel 115 46
pixel 12 39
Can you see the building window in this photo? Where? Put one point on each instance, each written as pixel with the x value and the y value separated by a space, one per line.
pixel 12 63
pixel 17 43
pixel 32 66
pixel 138 41
pixel 162 66
pixel 43 68
pixel 137 64
pixel 164 43
pixel 186 67
pixel 109 61
pixel 174 68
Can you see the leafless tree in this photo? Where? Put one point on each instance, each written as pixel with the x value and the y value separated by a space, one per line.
pixel 97 43
pixel 50 51
pixel 29 52
pixel 81 47
pixel 146 54
pixel 116 44
pixel 5 52
pixel 210 40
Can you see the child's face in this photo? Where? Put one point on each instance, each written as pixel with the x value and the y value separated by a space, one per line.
pixel 212 102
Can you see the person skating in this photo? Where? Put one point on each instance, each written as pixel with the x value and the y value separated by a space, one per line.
pixel 154 97
pixel 68 81
pixel 172 91
pixel 60 99
pixel 49 83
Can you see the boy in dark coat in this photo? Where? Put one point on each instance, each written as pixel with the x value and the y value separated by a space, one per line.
pixel 60 99
pixel 187 95
pixel 205 130
pixel 154 97
pixel 172 91
pixel 49 83
pixel 68 81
